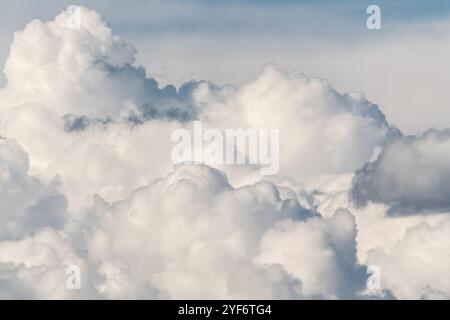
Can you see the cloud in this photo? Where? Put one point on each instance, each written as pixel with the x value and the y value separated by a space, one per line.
pixel 91 66
pixel 26 204
pixel 411 46
pixel 103 109
pixel 188 226
pixel 411 175
pixel 322 131
pixel 329 270
pixel 34 267
pixel 417 265
pixel 86 179
pixel 192 235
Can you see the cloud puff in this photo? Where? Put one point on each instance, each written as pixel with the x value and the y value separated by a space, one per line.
pixel 330 270
pixel 75 65
pixel 192 235
pixel 26 204
pixel 321 130
pixel 411 174
pixel 35 266
pixel 416 267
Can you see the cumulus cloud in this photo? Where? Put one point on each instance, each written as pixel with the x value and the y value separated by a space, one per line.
pixel 86 179
pixel 192 235
pixel 26 204
pixel 35 266
pixel 104 109
pixel 86 70
pixel 330 270
pixel 321 130
pixel 411 174
pixel 188 234
pixel 417 266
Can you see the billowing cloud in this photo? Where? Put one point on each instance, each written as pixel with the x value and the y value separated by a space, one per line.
pixel 86 179
pixel 192 235
pixel 330 270
pixel 417 266
pixel 321 130
pixel 35 267
pixel 411 174
pixel 75 65
pixel 26 204
pixel 88 100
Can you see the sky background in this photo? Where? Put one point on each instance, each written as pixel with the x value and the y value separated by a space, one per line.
pixel 403 67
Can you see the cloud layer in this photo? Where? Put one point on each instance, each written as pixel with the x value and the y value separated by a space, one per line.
pixel 86 179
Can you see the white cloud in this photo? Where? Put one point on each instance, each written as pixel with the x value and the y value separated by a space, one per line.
pixel 321 130
pixel 88 181
pixel 416 267
pixel 35 266
pixel 83 70
pixel 103 109
pixel 188 234
pixel 321 252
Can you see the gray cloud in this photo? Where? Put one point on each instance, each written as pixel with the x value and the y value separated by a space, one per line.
pixel 89 182
pixel 411 175
pixel 26 204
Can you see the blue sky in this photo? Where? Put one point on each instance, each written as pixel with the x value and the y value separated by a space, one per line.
pixel 229 16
